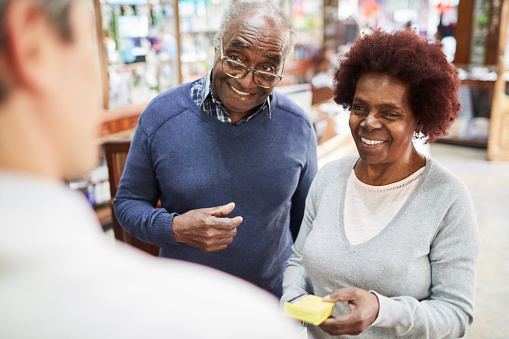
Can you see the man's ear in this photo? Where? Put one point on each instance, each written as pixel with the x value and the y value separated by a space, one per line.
pixel 29 38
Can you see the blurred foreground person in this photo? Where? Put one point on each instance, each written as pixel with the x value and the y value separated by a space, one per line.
pixel 389 234
pixel 59 277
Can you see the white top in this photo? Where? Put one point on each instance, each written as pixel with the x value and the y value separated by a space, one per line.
pixel 60 278
pixel 368 209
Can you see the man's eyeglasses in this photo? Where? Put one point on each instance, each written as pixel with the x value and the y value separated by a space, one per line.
pixel 238 70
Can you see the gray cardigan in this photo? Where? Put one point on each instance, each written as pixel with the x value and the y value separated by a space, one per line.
pixel 422 265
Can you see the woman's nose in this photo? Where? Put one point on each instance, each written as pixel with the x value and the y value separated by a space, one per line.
pixel 372 121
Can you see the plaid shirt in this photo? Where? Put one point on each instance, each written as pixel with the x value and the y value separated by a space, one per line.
pixel 201 92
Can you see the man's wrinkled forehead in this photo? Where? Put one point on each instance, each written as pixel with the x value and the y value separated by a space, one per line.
pixel 261 26
pixel 250 47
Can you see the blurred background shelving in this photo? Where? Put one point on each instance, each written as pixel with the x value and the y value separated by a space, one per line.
pixel 140 41
pixel 148 46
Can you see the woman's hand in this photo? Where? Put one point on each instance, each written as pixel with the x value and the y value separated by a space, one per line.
pixel 363 311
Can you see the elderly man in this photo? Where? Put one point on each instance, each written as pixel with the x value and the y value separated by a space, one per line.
pixel 225 142
pixel 58 276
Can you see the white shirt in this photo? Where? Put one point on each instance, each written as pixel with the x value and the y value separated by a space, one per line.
pixel 60 278
pixel 368 209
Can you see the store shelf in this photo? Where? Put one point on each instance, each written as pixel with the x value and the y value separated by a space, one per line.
pixel 198 32
pixel 471 127
pixel 119 120
pixel 488 84
pixel 463 142
pixel 198 23
pixel 140 47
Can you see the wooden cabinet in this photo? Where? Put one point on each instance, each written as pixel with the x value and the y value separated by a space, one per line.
pixel 498 144
pixel 139 42
pixel 471 127
pixel 481 35
pixel 477 32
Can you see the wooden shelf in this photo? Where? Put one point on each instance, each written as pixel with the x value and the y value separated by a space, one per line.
pixel 463 142
pixel 489 84
pixel 484 101
pixel 198 32
pixel 119 119
pixel 331 146
pixel 135 65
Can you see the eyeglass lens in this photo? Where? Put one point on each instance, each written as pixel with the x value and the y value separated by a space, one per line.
pixel 238 70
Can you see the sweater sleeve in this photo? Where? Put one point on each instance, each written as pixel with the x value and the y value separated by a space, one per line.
pixel 138 194
pixel 307 175
pixel 295 278
pixel 448 312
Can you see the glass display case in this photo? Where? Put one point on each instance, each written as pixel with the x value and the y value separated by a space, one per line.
pixel 498 143
pixel 153 45
pixel 307 17
pixel 140 40
pixel 199 22
pixel 477 43
pixel 308 21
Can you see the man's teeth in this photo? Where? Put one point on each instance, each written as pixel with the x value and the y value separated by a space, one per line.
pixel 371 142
pixel 238 92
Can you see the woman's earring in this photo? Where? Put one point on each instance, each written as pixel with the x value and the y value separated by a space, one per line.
pixel 417 135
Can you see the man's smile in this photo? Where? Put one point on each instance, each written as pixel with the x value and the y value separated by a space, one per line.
pixel 239 92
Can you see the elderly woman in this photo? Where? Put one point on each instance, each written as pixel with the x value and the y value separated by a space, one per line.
pixel 389 235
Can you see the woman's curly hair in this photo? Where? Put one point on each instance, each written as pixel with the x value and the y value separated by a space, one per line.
pixel 419 62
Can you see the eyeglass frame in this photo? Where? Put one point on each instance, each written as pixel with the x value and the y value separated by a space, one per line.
pixel 254 71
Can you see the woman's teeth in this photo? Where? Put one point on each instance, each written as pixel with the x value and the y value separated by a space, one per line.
pixel 371 142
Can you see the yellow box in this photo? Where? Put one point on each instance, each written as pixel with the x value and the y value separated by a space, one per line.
pixel 308 308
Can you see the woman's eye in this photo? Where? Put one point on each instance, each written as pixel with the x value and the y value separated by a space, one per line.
pixel 358 110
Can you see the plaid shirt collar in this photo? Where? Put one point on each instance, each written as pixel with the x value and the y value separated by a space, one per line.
pixel 201 92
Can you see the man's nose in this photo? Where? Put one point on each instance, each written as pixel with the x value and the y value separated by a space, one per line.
pixel 247 81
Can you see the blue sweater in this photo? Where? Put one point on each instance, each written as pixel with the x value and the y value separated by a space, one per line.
pixel 189 160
